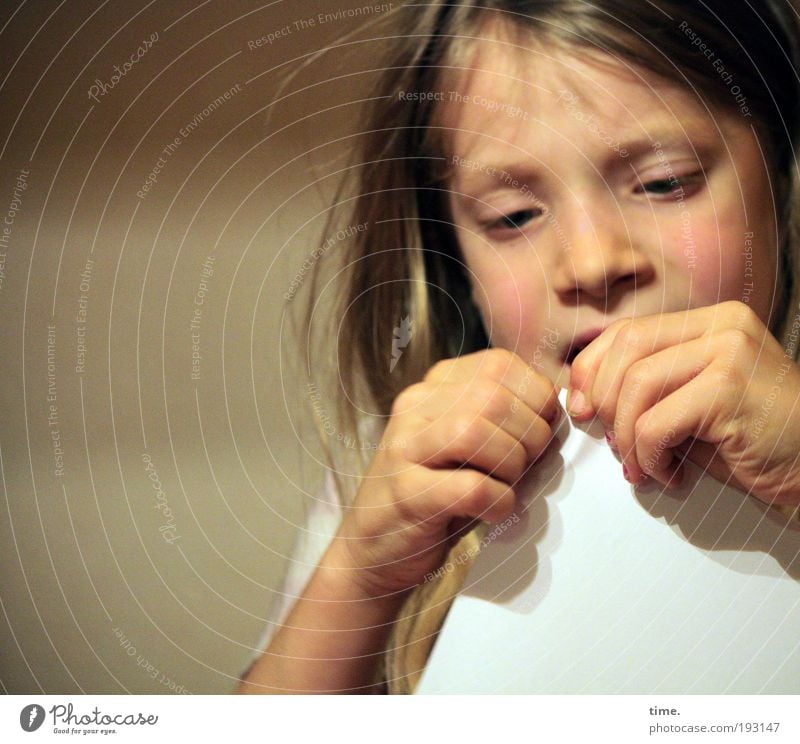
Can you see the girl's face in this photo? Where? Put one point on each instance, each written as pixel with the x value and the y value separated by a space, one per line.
pixel 582 194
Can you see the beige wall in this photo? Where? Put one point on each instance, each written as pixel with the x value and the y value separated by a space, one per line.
pixel 88 568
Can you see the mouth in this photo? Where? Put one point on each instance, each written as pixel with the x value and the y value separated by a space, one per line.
pixel 579 343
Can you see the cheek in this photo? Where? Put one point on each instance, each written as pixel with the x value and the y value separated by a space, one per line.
pixel 512 302
pixel 706 256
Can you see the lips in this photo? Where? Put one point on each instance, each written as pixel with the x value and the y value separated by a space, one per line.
pixel 579 343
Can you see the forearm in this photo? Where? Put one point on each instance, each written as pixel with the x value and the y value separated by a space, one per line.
pixel 333 639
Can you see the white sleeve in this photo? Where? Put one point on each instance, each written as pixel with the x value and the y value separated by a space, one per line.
pixel 323 516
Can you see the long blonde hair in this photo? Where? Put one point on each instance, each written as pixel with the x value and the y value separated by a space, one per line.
pixel 402 260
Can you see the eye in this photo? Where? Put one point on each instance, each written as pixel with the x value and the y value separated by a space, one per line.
pixel 670 186
pixel 663 186
pixel 515 220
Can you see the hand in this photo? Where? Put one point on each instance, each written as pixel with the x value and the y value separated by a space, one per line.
pixel 711 384
pixel 454 446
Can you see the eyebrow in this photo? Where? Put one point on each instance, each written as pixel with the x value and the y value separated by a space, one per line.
pixel 477 172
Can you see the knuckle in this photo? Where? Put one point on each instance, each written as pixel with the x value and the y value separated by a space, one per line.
pixel 496 363
pixel 517 458
pixel 410 433
pixel 631 333
pixel 407 399
pixel 550 407
pixel 472 491
pixel 743 315
pixel 540 439
pixel 735 346
pixel 466 434
pixel 580 367
pixel 544 385
pixel 409 492
pixel 638 373
pixel 719 375
pixel 621 322
pixel 439 370
pixel 735 339
pixel 606 410
pixel 644 434
pixel 621 416
pixel 472 482
pixel 603 402
pixel 462 424
pixel 489 398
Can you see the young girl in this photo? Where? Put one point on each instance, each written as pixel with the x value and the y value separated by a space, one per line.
pixel 553 193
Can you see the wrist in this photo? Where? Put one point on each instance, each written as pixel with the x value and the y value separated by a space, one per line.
pixel 348 579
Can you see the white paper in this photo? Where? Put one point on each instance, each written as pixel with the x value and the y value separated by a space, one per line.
pixel 602 587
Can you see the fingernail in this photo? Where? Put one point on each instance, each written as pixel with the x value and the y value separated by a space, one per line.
pixel 625 474
pixel 611 438
pixel 576 403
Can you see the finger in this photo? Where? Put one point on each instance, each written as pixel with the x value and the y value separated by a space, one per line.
pixel 452 497
pixel 471 441
pixel 645 383
pixel 486 398
pixel 583 371
pixel 700 410
pixel 633 346
pixel 472 494
pixel 625 341
pixel 504 367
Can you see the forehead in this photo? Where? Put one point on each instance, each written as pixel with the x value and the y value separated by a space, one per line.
pixel 517 96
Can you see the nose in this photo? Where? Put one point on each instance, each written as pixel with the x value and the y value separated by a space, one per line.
pixel 598 255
